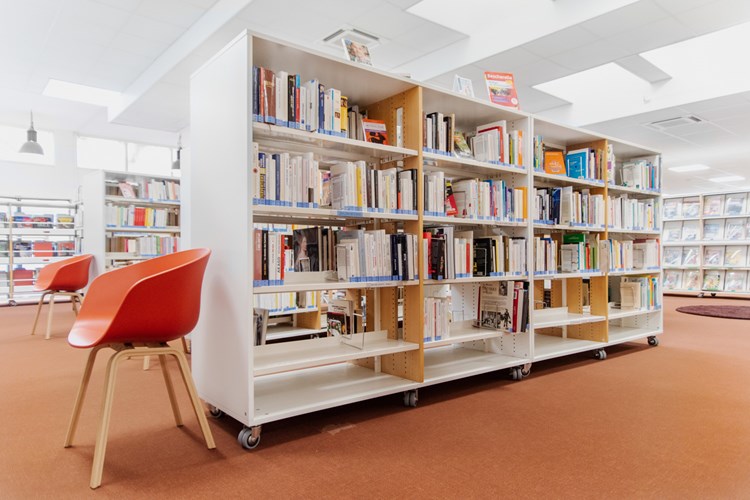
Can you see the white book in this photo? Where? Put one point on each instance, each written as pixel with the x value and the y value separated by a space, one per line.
pixel 282 96
pixel 335 110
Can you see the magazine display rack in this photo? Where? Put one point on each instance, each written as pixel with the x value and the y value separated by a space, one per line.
pixel 706 243
pixel 33 233
pixel 256 384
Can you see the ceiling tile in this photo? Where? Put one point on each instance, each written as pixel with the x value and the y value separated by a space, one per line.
pixel 429 37
pixel 152 29
pixel 203 4
pixel 126 5
pixel 534 101
pixel 509 60
pixel 563 40
pixel 391 54
pixel 538 72
pixel 89 12
pixel 174 12
pixel 75 29
pixel 137 45
pixel 739 125
pixel 385 20
pixel 652 36
pixel 676 6
pixel 590 56
pixel 404 4
pixel 715 15
pixel 311 27
pixel 625 19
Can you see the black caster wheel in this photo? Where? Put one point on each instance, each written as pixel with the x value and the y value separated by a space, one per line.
pixel 246 439
pixel 516 373
pixel 411 398
pixel 600 354
pixel 713 295
pixel 701 295
pixel 215 412
pixel 12 303
pixel 525 370
pixel 653 341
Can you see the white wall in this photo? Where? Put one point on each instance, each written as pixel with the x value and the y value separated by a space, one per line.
pixel 60 180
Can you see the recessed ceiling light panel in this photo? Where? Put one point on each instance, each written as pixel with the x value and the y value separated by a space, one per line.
pixel 727 178
pixel 689 168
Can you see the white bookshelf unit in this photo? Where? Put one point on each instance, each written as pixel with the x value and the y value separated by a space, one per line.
pixel 34 233
pixel 706 243
pixel 257 384
pixel 121 230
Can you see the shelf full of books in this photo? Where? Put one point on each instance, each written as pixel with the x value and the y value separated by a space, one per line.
pixel 429 223
pixel 130 217
pixel 706 241
pixel 34 233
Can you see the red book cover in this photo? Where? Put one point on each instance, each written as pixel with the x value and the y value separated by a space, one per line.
pixel 501 89
pixel 258 255
pixel 42 249
pixel 23 277
pixel 428 236
pixel 139 217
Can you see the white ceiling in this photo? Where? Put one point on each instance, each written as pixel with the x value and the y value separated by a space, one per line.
pixel 119 44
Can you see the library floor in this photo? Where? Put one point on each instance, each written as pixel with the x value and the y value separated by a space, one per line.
pixel 666 422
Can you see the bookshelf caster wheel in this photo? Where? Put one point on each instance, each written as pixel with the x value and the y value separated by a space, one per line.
pixel 653 341
pixel 410 398
pixel 600 354
pixel 701 295
pixel 215 412
pixel 713 295
pixel 12 303
pixel 247 439
pixel 525 370
pixel 516 373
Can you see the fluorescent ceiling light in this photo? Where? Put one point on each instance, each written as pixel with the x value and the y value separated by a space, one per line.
pixel 689 168
pixel 706 54
pixel 727 178
pixel 594 84
pixel 80 93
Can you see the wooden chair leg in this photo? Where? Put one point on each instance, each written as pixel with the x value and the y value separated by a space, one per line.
pixel 101 436
pixel 38 310
pixel 49 315
pixel 200 414
pixel 185 347
pixel 170 390
pixel 80 396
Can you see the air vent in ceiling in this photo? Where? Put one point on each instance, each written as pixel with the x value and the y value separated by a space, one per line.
pixel 670 123
pixel 352 34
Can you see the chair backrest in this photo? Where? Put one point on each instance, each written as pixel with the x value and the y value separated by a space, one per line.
pixel 67 275
pixel 157 300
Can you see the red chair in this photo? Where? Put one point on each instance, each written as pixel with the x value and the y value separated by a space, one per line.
pixel 64 277
pixel 136 310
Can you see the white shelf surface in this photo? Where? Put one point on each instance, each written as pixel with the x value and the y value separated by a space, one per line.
pixel 476 279
pixel 453 362
pixel 141 201
pixel 627 313
pixel 142 229
pixel 622 189
pixel 564 180
pixel 327 145
pixel 329 285
pixel 459 221
pixel 38 231
pixel 286 395
pixel 563 227
pixel 464 333
pixel 125 256
pixel 36 260
pixel 559 276
pixel 679 219
pixel 647 232
pixel 453 162
pixel 559 316
pixel 288 356
pixel 278 332
pixel 634 272
pixel 288 312
pixel 291 215
pixel 547 346
pixel 621 334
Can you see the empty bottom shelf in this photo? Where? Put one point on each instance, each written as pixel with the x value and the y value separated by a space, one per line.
pixel 450 363
pixel 620 334
pixel 294 393
pixel 547 346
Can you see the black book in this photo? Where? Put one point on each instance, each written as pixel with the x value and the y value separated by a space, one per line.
pixel 307 249
pixel 264 271
pixel 437 257
pixel 256 90
pixel 481 266
pixel 292 100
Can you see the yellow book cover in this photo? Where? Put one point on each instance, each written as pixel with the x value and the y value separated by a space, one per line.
pixel 344 114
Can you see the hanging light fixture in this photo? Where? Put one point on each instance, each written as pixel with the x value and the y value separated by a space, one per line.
pixel 176 163
pixel 31 146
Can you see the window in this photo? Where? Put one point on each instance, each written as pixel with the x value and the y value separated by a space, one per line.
pixel 11 139
pixel 119 156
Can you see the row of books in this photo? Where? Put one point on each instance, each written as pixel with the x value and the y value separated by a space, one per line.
pixel 283 179
pixel 277 303
pixel 135 216
pixel 690 230
pixel 640 293
pixel 682 256
pixel 40 248
pixel 580 163
pixel 454 254
pixel 21 276
pixel 715 280
pixel 143 246
pixel 355 186
pixel 730 256
pixel 437 318
pixel 568 207
pixel 579 253
pixel 284 99
pixel 713 205
pixel 504 305
pixel 626 255
pixel 639 174
pixel 473 198
pixel 154 189
pixel 491 142
pixel 631 213
pixel 376 256
pixel 37 221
